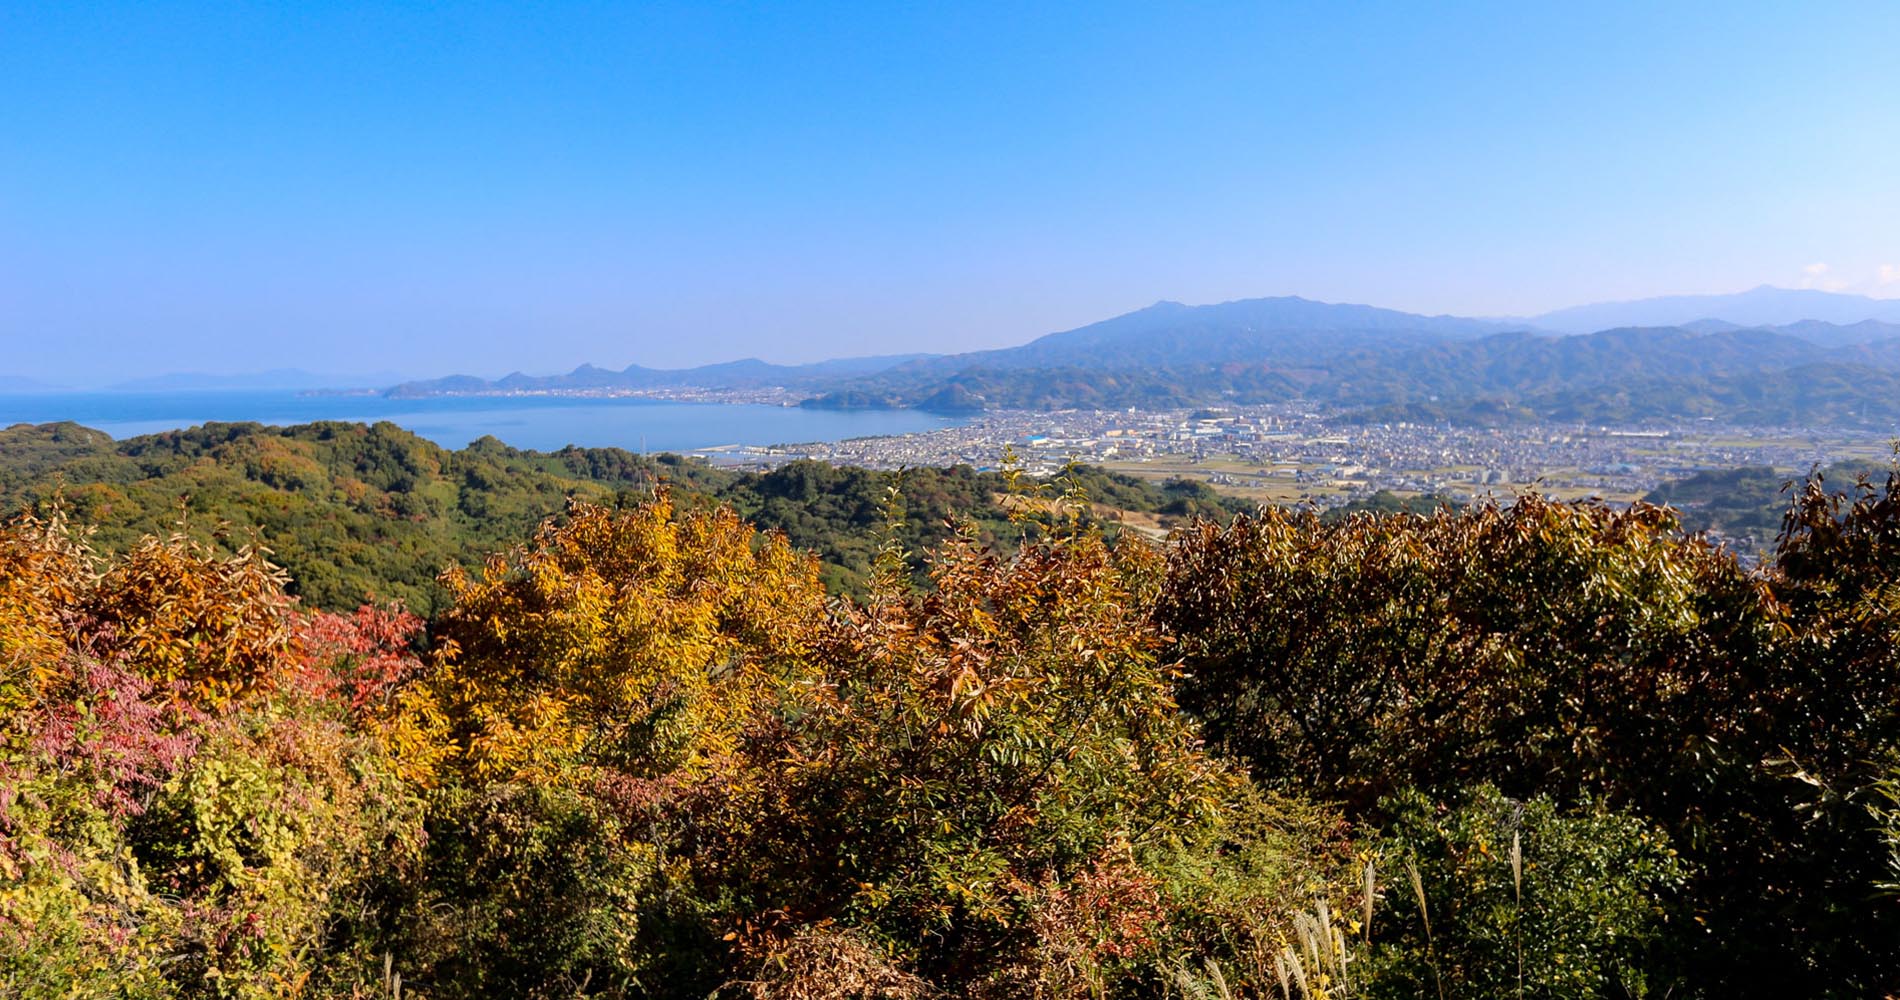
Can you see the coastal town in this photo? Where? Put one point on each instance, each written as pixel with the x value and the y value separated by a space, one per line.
pixel 1293 453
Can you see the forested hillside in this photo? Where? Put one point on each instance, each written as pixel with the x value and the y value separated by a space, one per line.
pixel 1552 750
pixel 1745 507
pixel 355 512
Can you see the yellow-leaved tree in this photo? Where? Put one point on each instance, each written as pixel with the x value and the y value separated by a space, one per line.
pixel 635 639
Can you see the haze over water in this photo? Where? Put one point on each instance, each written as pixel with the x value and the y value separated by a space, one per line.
pixel 542 423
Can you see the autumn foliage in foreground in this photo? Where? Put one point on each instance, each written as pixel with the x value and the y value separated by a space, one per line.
pixel 1547 749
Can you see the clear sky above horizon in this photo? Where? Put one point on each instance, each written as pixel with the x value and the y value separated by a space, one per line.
pixel 430 188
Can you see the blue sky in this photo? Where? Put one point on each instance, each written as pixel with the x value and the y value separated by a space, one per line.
pixel 459 187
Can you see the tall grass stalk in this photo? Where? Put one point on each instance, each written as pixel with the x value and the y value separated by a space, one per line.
pixel 1365 901
pixel 1517 920
pixel 1424 913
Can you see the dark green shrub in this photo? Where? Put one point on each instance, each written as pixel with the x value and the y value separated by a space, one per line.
pixel 1518 899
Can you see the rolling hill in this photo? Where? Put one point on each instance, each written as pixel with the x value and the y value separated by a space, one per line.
pixel 353 511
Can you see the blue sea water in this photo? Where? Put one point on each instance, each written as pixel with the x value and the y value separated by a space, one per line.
pixel 539 422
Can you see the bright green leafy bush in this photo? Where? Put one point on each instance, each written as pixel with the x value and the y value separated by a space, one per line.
pixel 1518 899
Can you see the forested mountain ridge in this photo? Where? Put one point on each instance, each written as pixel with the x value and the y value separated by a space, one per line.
pixel 1279 330
pixel 1744 375
pixel 1165 334
pixel 355 511
pixel 1779 362
pixel 1380 362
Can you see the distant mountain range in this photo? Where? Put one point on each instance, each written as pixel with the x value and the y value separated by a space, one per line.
pixel 1764 355
pixel 744 374
pixel 1762 306
pixel 1394 365
pixel 1278 330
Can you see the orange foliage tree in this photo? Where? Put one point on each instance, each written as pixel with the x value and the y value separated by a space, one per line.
pixel 218 625
pixel 43 570
pixel 963 768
